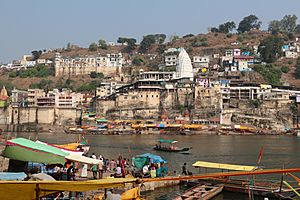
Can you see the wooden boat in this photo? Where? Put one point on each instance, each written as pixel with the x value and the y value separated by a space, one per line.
pixel 201 191
pixel 169 146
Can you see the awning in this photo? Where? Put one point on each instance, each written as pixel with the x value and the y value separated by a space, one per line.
pixel 167 141
pixel 102 120
pixel 26 190
pixel 29 151
pixel 82 159
pixel 224 166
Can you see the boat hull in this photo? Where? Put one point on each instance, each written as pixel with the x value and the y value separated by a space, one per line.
pixel 172 150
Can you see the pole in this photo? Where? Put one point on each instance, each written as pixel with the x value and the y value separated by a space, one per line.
pixel 37 192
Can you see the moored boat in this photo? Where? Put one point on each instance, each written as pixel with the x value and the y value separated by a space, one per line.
pixel 201 191
pixel 169 146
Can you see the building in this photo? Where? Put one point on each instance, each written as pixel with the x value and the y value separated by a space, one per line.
pixel 66 99
pixel 153 75
pixel 200 62
pixel 171 60
pixel 3 97
pixel 33 94
pixel 111 63
pixel 19 98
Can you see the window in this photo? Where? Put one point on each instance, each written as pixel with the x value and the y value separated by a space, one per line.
pixel 152 96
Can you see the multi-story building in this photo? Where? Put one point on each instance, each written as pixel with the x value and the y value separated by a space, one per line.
pixel 33 94
pixel 111 63
pixel 19 98
pixel 200 61
pixel 171 60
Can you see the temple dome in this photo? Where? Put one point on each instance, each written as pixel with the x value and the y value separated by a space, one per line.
pixel 184 69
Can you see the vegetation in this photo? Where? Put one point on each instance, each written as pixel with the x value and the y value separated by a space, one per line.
pixel 285 69
pixel 102 44
pixel 40 70
pixel 8 85
pixel 150 40
pixel 96 75
pixel 270 48
pixel 287 24
pixel 43 84
pixel 297 71
pixel 248 23
pixel 130 44
pixel 255 103
pixel 138 61
pixel 93 47
pixel 36 54
pixel 271 74
pixel 227 27
pixel 89 87
pixel 200 42
pixel 188 35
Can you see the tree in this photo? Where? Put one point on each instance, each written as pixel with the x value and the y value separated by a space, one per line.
pixel 93 47
pixel 146 43
pixel 248 23
pixel 130 43
pixel 297 29
pixel 188 35
pixel 297 71
pixel 270 48
pixel 227 27
pixel 289 23
pixel 138 61
pixel 36 54
pixel 214 30
pixel 102 44
pixel 274 26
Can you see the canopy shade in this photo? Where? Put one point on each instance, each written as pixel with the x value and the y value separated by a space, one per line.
pixel 26 189
pixel 29 151
pixel 10 176
pixel 167 141
pixel 224 166
pixel 82 159
pixel 103 120
pixel 154 158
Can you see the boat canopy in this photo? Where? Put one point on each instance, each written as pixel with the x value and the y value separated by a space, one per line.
pixel 82 159
pixel 27 189
pixel 224 166
pixel 101 120
pixel 12 176
pixel 27 150
pixel 167 141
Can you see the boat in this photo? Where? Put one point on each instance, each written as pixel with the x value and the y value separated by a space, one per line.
pixel 201 191
pixel 169 146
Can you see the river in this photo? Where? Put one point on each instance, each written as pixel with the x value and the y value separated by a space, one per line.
pixel 279 151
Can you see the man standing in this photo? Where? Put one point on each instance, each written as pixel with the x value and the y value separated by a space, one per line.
pixel 100 168
pixel 184 170
pixel 94 170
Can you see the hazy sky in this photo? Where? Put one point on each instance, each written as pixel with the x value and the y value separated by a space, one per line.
pixel 28 25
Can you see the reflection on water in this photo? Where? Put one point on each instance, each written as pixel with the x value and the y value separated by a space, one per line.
pixel 279 151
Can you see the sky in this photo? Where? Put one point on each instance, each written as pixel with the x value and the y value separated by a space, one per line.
pixel 28 25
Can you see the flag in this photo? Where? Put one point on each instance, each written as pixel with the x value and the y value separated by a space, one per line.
pixel 260 155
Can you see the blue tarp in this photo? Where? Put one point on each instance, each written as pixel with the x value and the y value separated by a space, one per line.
pixel 11 176
pixel 154 158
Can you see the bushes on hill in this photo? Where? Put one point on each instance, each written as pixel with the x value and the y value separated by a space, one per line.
pixel 200 42
pixel 271 74
pixel 297 71
pixel 285 69
pixel 43 84
pixel 39 71
pixel 96 75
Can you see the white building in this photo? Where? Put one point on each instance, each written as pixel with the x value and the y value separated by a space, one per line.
pixel 201 61
pixel 171 60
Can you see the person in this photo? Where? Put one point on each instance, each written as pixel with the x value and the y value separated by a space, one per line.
pixel 146 171
pixel 118 173
pixel 93 156
pixel 112 164
pixel 100 168
pixel 94 170
pixel 71 173
pixel 84 171
pixel 123 163
pixel 153 171
pixel 184 170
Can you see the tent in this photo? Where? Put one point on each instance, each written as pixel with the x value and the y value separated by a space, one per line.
pixel 153 158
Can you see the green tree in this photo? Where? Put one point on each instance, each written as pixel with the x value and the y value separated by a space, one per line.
pixel 13 74
pixel 36 54
pixel 138 61
pixel 188 35
pixel 270 48
pixel 93 47
pixel 289 23
pixel 146 43
pixel 297 71
pixel 297 29
pixel 271 74
pixel 274 26
pixel 248 23
pixel 102 44
pixel 227 27
pixel 285 69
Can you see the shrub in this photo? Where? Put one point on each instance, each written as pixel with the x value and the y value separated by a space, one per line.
pixel 271 74
pixel 285 69
pixel 13 74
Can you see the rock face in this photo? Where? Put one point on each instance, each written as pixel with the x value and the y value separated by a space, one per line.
pixel 184 69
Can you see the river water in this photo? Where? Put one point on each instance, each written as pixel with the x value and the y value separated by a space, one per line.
pixel 279 151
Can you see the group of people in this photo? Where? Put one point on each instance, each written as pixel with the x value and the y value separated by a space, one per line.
pixel 117 168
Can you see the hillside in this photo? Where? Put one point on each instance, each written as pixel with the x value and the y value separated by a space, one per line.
pixel 202 44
